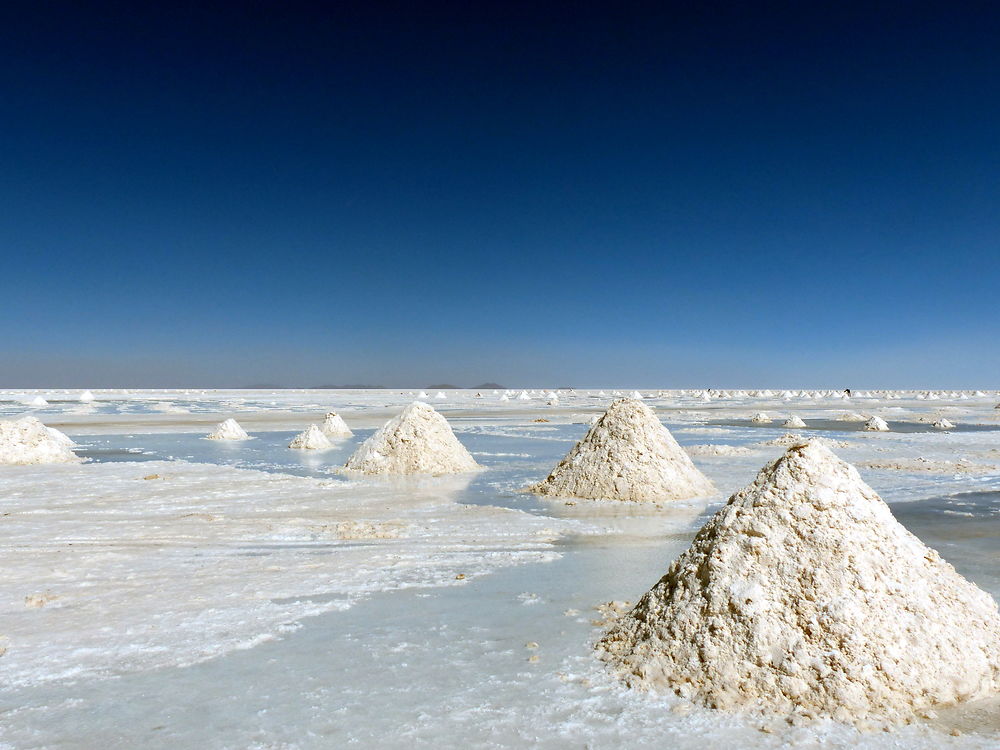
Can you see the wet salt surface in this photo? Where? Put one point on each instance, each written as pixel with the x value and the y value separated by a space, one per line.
pixel 426 668
pixel 837 425
pixel 448 666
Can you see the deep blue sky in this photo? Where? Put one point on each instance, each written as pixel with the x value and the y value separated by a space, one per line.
pixel 649 195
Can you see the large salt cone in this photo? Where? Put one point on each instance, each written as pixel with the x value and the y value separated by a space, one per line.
pixel 28 441
pixel 228 430
pixel 803 595
pixel 334 426
pixel 626 455
pixel 416 441
pixel 312 439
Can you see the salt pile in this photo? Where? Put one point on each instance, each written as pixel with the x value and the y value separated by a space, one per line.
pixel 626 455
pixel 228 430
pixel 804 597
pixel 37 401
pixel 335 426
pixel 852 417
pixel 760 418
pixel 312 439
pixel 86 397
pixel 876 424
pixel 28 441
pixel 943 424
pixel 793 421
pixel 416 441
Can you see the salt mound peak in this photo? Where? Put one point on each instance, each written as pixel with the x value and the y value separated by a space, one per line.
pixel 876 424
pixel 943 424
pixel 312 439
pixel 804 596
pixel 28 441
pixel 760 418
pixel 86 397
pixel 335 426
pixel 793 421
pixel 418 440
pixel 228 430
pixel 626 455
pixel 37 401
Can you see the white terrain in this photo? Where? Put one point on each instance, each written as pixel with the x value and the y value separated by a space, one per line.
pixel 161 590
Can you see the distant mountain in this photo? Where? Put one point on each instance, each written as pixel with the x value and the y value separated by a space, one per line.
pixel 444 386
pixel 495 386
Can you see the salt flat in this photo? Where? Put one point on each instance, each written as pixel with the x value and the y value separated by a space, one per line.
pixel 248 595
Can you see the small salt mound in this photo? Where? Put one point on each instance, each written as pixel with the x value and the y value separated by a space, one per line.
pixel 28 441
pixel 37 401
pixel 760 418
pixel 416 441
pixel 505 397
pixel 852 417
pixel 86 397
pixel 793 421
pixel 803 596
pixel 876 424
pixel 943 424
pixel 626 455
pixel 228 430
pixel 440 395
pixel 421 395
pixel 636 395
pixel 312 439
pixel 523 396
pixel 335 426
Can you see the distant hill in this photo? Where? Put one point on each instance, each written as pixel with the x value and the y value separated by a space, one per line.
pixel 495 386
pixel 444 386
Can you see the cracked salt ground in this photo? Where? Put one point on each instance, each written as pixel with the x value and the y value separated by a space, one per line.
pixel 420 668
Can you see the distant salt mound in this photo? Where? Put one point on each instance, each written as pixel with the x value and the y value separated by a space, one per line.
pixel 760 418
pixel 523 396
pixel 876 424
pixel 228 430
pixel 804 597
pixel 852 417
pixel 334 426
pixel 312 439
pixel 37 401
pixel 28 441
pixel 943 424
pixel 505 397
pixel 421 395
pixel 626 455
pixel 86 397
pixel 637 396
pixel 793 421
pixel 440 395
pixel 416 441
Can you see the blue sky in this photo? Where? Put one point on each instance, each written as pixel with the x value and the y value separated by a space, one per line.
pixel 638 195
